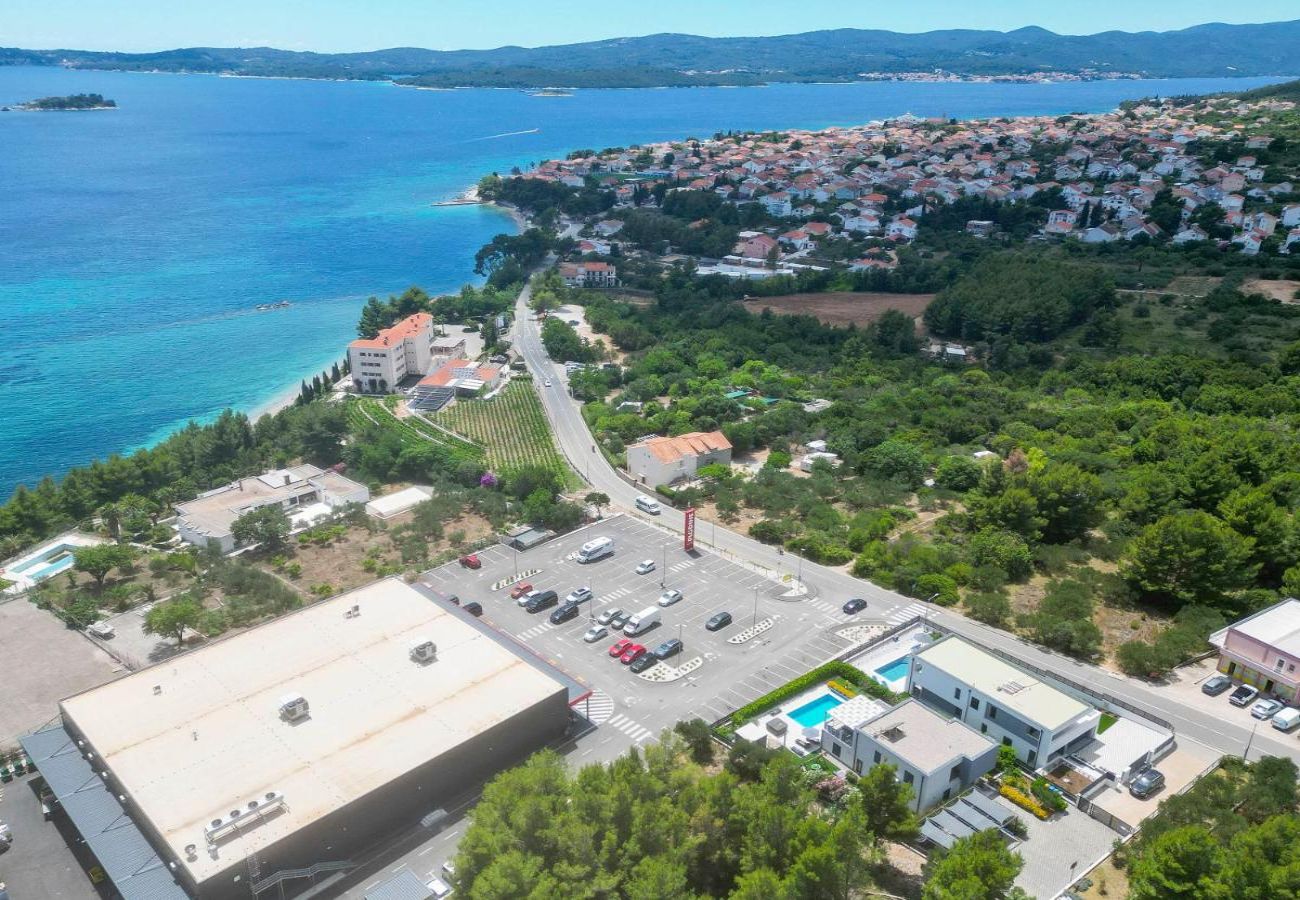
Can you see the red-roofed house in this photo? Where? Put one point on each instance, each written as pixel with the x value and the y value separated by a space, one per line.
pixel 589 274
pixel 664 460
pixel 380 363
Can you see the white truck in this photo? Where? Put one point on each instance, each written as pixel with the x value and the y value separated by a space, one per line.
pixel 642 621
pixel 595 549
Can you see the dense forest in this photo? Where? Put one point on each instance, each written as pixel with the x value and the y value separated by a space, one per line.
pixel 1143 447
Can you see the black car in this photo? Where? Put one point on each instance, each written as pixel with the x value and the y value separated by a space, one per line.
pixel 541 600
pixel 857 604
pixel 473 607
pixel 641 663
pixel 718 622
pixel 668 648
pixel 617 623
pixel 1146 784
pixel 564 613
pixel 1216 685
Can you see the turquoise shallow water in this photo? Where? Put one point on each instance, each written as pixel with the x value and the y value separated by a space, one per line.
pixel 135 244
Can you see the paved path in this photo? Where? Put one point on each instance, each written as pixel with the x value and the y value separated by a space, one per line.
pixel 1201 724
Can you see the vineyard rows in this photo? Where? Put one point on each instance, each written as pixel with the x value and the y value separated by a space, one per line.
pixel 511 427
pixel 367 411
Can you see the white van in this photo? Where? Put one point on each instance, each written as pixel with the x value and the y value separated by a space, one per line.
pixel 594 550
pixel 1286 718
pixel 647 504
pixel 642 621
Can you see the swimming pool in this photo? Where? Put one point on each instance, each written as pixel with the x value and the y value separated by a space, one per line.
pixel 814 712
pixel 51 562
pixel 895 671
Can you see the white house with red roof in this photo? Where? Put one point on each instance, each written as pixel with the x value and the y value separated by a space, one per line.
pixel 665 460
pixel 379 364
pixel 589 274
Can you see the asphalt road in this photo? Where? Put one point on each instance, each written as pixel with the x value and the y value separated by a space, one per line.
pixel 1200 723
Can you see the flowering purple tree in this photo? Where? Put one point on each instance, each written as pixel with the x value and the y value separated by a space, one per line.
pixel 488 480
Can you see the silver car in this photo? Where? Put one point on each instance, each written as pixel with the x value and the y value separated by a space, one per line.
pixel 595 633
pixel 668 598
pixel 609 615
pixel 578 595
pixel 645 567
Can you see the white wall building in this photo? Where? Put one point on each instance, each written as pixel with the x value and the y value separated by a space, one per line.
pixel 939 757
pixel 995 698
pixel 302 490
pixel 664 460
pixel 379 364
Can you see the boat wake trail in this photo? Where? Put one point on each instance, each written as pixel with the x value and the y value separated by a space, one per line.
pixel 492 137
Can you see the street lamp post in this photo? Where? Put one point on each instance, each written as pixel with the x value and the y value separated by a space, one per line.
pixel 1246 755
pixel 925 609
pixel 754 623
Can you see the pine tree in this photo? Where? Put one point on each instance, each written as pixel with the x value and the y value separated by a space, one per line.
pixel 335 375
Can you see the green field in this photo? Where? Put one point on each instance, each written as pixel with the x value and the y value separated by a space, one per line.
pixel 511 427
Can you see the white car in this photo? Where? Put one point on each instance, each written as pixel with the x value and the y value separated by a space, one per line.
pixel 578 595
pixel 101 630
pixel 1266 709
pixel 438 888
pixel 645 567
pixel 595 633
pixel 547 383
pixel 668 598
pixel 608 615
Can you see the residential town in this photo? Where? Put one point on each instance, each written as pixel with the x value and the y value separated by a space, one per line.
pixel 1097 178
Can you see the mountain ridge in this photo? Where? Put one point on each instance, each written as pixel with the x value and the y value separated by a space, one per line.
pixel 844 54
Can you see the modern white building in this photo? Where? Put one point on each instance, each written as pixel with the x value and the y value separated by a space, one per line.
pixel 304 492
pixel 938 756
pixel 664 460
pixel 379 364
pixel 995 698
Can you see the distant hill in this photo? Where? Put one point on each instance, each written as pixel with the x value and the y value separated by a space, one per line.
pixel 1287 90
pixel 679 59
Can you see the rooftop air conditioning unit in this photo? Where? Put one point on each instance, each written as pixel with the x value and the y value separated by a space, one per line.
pixel 424 651
pixel 294 707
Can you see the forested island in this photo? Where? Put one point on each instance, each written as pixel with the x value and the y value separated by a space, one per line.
pixel 70 103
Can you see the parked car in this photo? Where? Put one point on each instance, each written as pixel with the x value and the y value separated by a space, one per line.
pixel 616 649
pixel 473 607
pixel 856 605
pixel 1216 685
pixel 1146 784
pixel 471 561
pixel 609 615
pixel 668 648
pixel 718 622
pixel 520 589
pixel 595 633
pixel 540 601
pixel 617 623
pixel 1286 719
pixel 641 663
pixel 645 567
pixel 632 654
pixel 565 613
pixel 669 597
pixel 1243 695
pixel 1266 709
pixel 578 595
pixel 101 630
pixel 547 382
pixel 523 599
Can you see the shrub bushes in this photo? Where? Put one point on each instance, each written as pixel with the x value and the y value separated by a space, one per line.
pixel 840 671
pixel 1024 801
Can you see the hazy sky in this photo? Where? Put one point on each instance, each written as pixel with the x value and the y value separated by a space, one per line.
pixel 337 25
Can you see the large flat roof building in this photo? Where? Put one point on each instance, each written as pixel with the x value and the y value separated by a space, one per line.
pixel 310 738
pixel 995 698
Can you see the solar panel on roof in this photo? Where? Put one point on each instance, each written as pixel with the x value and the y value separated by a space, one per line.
pixel 990 807
pixel 934 833
pixel 951 824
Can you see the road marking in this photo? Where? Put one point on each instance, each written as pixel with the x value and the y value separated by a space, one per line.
pixel 422 852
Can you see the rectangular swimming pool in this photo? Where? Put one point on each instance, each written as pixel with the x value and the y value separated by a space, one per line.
pixel 896 670
pixel 815 711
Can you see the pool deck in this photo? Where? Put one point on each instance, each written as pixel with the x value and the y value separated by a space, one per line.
pixel 12 569
pixel 902 646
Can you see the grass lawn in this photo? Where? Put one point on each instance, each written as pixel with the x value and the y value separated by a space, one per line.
pixel 1107 720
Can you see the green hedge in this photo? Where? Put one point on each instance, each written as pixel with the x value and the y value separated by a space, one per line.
pixel 835 669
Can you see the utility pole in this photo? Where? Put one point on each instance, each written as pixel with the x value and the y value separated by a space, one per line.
pixel 754 623
pixel 1249 741
pixel 925 609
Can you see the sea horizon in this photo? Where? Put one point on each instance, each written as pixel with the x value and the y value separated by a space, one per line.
pixel 139 244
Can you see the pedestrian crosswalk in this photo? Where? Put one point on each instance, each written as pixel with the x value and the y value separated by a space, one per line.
pixel 911 611
pixel 616 594
pixel 533 632
pixel 823 605
pixel 636 732
pixel 681 566
pixel 597 708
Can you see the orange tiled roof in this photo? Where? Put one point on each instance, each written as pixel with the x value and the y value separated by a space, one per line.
pixel 697 443
pixel 409 327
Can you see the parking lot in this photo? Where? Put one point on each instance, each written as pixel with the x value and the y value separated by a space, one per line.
pixel 633 709
pixel 1184 684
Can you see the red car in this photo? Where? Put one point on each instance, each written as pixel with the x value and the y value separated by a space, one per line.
pixel 519 590
pixel 632 654
pixel 620 645
pixel 471 561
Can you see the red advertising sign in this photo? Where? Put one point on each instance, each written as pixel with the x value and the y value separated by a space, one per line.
pixel 688 532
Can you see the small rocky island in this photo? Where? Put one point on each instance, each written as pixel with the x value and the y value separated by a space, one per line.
pixel 71 103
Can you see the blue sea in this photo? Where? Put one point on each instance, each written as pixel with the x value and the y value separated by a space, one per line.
pixel 135 244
